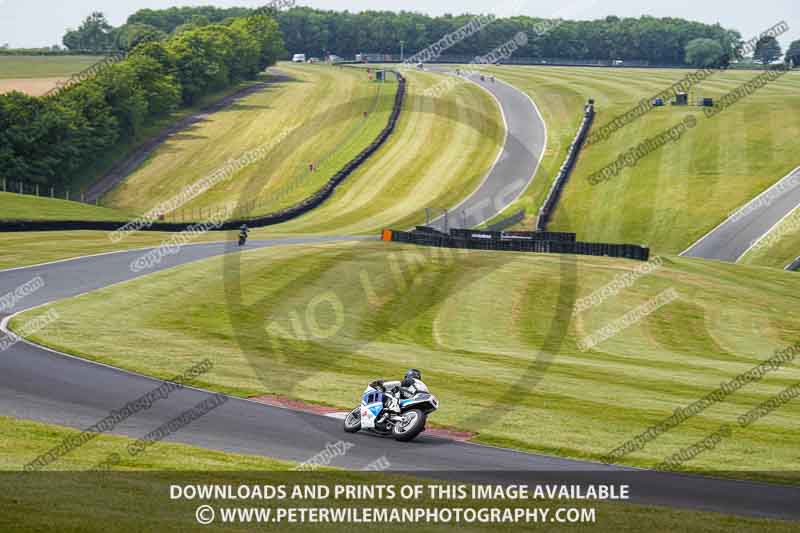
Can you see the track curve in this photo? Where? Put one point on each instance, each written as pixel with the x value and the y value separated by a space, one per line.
pixel 40 384
pixel 735 236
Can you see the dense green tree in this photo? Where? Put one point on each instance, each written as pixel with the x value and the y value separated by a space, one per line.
pixel 704 53
pixel 767 50
pixel 793 53
pixel 94 34
pixel 49 140
pixel 129 36
pixel 317 32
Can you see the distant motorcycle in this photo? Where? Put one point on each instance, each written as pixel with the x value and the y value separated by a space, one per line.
pixel 385 413
pixel 243 231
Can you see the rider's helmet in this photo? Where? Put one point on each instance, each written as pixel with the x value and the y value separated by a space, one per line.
pixel 410 376
pixel 244 227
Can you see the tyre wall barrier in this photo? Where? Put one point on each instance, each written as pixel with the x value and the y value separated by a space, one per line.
pixel 301 208
pixel 549 205
pixel 539 244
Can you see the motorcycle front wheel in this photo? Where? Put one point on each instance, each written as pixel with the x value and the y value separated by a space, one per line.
pixel 352 422
pixel 412 425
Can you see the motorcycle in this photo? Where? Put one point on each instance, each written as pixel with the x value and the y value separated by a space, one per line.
pixel 242 239
pixel 385 413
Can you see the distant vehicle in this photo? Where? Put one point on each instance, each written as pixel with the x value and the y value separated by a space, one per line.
pixel 333 58
pixel 618 62
pixel 313 60
pixel 299 58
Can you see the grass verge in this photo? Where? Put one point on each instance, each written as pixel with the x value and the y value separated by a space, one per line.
pixel 494 334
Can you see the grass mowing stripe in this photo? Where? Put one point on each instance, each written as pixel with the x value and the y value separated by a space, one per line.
pixel 452 322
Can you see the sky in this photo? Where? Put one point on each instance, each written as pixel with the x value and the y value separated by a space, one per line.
pixel 34 23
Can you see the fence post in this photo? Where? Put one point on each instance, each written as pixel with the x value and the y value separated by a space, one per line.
pixel 37 189
pixel 4 185
pixel 83 198
pixel 21 190
pixel 66 196
pixel 52 192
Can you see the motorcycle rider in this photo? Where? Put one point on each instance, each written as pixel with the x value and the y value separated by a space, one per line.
pixel 243 231
pixel 394 391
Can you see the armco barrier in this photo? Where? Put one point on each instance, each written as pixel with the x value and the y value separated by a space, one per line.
pixel 313 201
pixel 540 243
pixel 564 173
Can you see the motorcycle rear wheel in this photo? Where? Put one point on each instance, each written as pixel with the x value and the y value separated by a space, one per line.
pixel 352 422
pixel 412 425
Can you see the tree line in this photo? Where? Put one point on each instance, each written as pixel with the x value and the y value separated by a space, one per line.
pixel 50 140
pixel 315 32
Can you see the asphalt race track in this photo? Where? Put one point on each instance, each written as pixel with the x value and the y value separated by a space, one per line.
pixel 738 233
pixel 516 164
pixel 43 385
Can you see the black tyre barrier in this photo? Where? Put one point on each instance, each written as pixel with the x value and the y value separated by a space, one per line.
pixel 301 208
pixel 564 173
pixel 518 241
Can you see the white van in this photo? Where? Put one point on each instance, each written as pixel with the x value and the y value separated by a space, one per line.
pixel 299 58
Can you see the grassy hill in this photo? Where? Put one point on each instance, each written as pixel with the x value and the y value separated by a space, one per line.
pixel 25 207
pixel 494 334
pixel 317 115
pixel 681 191
pixel 439 153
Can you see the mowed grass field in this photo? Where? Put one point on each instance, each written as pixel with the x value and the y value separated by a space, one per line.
pixel 68 494
pixel 494 334
pixel 35 75
pixel 679 192
pixel 26 207
pixel 438 154
pixel 440 151
pixel 315 116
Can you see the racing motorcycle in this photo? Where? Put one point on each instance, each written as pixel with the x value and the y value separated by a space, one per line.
pixel 385 413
